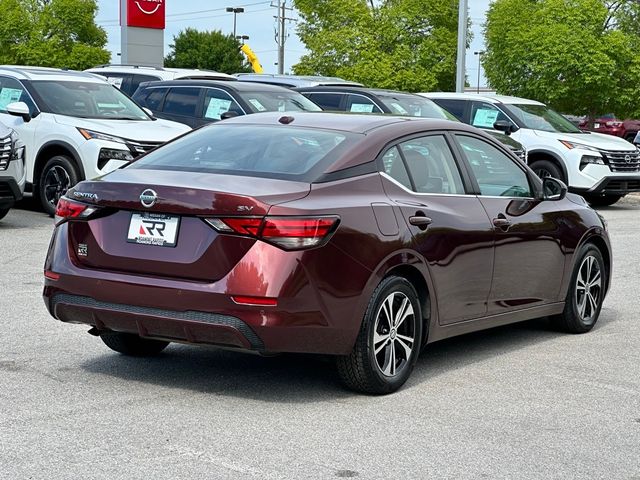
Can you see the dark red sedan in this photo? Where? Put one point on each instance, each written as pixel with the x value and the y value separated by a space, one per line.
pixel 360 236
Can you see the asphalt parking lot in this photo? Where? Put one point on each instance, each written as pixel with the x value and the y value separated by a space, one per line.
pixel 522 401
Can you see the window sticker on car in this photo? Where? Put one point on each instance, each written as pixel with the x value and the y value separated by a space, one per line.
pixel 485 117
pixel 399 108
pixel 9 95
pixel 362 107
pixel 257 104
pixel 115 81
pixel 216 107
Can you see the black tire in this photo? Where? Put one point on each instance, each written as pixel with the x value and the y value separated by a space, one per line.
pixel 133 345
pixel 546 168
pixel 574 318
pixel 630 137
pixel 361 370
pixel 3 212
pixel 603 200
pixel 58 175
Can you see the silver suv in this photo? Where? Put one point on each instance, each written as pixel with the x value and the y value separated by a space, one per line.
pixel 13 173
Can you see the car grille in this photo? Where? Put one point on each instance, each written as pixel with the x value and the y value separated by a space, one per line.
pixel 5 152
pixel 627 162
pixel 623 186
pixel 140 148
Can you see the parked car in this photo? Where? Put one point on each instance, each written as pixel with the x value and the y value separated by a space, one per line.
pixel 13 172
pixel 129 77
pixel 199 102
pixel 375 100
pixel 292 81
pixel 75 126
pixel 611 125
pixel 601 168
pixel 636 141
pixel 365 237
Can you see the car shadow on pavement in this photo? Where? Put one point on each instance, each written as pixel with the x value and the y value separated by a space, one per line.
pixel 307 378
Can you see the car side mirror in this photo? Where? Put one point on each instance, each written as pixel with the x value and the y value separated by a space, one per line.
pixel 553 189
pixel 19 109
pixel 228 114
pixel 505 126
pixel 149 112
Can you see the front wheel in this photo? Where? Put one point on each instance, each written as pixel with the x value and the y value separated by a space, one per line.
pixel 388 344
pixel 132 345
pixel 545 168
pixel 586 292
pixel 58 175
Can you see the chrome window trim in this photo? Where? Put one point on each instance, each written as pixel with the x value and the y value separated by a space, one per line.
pixel 390 178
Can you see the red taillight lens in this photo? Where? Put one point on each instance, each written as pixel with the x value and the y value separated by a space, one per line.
pixel 256 301
pixel 289 233
pixel 51 275
pixel 297 233
pixel 69 209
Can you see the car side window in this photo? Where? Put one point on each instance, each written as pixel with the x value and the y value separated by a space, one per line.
pixel 154 97
pixel 326 101
pixel 496 173
pixel 182 101
pixel 116 79
pixel 484 115
pixel 217 102
pixel 11 91
pixel 454 107
pixel 136 80
pixel 361 104
pixel 432 166
pixel 393 165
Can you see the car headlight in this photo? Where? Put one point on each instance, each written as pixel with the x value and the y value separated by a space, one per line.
pixel 91 135
pixel 572 145
pixel 590 160
pixel 108 154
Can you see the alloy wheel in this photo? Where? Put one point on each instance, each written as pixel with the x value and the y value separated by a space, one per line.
pixel 588 288
pixel 394 334
pixel 542 172
pixel 56 184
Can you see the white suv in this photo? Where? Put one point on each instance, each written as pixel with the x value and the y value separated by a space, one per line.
pixel 129 77
pixel 13 173
pixel 75 126
pixel 602 168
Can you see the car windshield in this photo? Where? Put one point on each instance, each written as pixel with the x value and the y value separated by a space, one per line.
pixel 280 102
pixel 414 106
pixel 281 152
pixel 541 117
pixel 87 100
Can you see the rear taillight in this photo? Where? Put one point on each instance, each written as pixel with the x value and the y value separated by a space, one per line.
pixel 67 208
pixel 614 124
pixel 288 233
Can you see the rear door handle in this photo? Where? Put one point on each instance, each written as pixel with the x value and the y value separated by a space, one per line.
pixel 420 221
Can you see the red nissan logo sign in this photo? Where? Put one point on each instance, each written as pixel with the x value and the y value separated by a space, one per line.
pixel 145 13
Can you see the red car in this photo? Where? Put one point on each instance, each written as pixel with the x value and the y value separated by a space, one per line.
pixel 611 125
pixel 365 237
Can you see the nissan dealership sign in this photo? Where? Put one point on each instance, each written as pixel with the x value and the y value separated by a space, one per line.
pixel 142 32
pixel 145 13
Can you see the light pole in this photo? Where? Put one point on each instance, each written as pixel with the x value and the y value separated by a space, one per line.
pixel 479 54
pixel 235 11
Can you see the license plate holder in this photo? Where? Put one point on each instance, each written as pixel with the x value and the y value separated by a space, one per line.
pixel 157 229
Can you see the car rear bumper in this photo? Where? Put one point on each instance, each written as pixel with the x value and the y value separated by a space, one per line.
pixel 615 185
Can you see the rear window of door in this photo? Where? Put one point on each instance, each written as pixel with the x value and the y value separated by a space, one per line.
pixel 496 173
pixel 326 101
pixel 454 107
pixel 217 102
pixel 182 101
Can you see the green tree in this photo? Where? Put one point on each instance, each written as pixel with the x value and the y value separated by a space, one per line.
pixel 206 50
pixel 579 56
pixel 51 33
pixel 402 44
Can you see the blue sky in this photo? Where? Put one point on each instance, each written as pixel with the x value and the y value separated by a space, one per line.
pixel 258 23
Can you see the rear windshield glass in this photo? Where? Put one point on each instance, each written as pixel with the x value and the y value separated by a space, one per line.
pixel 283 152
pixel 280 102
pixel 414 106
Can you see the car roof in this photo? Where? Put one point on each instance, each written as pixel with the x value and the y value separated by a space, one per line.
pixel 176 72
pixel 294 80
pixel 345 121
pixel 45 73
pixel 349 89
pixel 485 98
pixel 233 86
